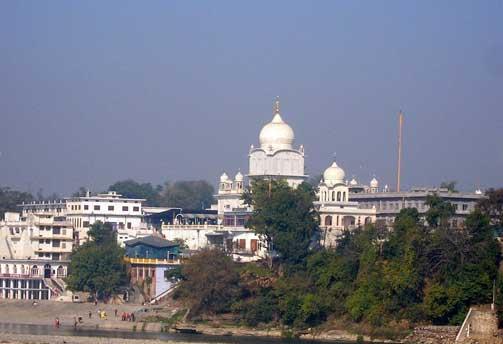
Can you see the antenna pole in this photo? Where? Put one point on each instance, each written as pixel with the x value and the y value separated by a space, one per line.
pixel 399 167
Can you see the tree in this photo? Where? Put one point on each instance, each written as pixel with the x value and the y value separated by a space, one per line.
pixel 285 217
pixel 450 185
pixel 132 189
pixel 81 192
pixel 492 206
pixel 439 212
pixel 10 199
pixel 192 194
pixel 98 265
pixel 210 282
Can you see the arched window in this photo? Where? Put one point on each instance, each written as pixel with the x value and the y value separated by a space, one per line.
pixel 60 272
pixel 333 196
pixel 338 196
pixel 14 270
pixel 328 220
pixel 34 270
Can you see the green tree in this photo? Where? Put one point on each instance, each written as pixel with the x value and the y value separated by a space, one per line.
pixel 492 206
pixel 98 265
pixel 210 283
pixel 132 189
pixel 10 199
pixel 439 212
pixel 285 217
pixel 81 192
pixel 449 185
pixel 192 194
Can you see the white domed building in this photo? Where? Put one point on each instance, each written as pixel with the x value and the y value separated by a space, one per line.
pixel 229 193
pixel 276 157
pixel 337 213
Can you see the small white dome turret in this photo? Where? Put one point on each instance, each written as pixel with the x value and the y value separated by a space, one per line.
pixel 224 177
pixel 353 182
pixel 334 175
pixel 276 134
pixel 238 177
pixel 374 183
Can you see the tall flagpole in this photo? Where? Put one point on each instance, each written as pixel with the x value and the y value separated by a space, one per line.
pixel 399 167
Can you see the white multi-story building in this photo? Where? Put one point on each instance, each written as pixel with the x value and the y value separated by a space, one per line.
pixel 337 212
pixel 34 256
pixel 124 214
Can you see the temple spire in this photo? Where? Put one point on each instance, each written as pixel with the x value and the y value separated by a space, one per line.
pixel 275 109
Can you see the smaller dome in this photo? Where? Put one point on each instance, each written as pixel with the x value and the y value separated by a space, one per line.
pixel 334 174
pixel 238 177
pixel 374 183
pixel 224 177
pixel 353 182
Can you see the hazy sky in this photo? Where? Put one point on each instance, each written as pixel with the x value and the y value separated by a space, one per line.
pixel 92 92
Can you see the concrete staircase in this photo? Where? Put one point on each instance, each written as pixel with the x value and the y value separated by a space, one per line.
pixel 481 324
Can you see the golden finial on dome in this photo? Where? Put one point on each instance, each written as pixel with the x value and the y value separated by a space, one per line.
pixel 275 108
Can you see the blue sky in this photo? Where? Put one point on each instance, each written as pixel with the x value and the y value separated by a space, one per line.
pixel 97 91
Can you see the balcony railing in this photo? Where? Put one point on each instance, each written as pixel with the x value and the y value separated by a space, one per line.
pixel 152 261
pixel 200 226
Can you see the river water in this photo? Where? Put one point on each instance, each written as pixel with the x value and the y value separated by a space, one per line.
pixel 177 337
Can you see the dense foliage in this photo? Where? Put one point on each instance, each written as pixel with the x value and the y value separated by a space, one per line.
pixel 285 217
pixel 132 189
pixel 209 282
pixel 418 272
pixel 97 266
pixel 191 194
pixel 9 200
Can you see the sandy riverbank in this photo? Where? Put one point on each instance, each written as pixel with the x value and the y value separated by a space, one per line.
pixel 8 338
pixel 23 312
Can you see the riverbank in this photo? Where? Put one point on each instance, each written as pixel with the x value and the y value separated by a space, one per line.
pixel 10 338
pixel 45 312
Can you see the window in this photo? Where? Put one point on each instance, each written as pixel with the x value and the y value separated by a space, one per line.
pixel 56 230
pixel 96 207
pixel 465 206
pixel 111 207
pixel 129 225
pixel 55 243
pixel 85 224
pixel 136 208
pixel 125 208
pixel 86 207
pixel 328 220
pixel 242 244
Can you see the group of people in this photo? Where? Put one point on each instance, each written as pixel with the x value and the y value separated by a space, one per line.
pixel 102 314
pixel 127 316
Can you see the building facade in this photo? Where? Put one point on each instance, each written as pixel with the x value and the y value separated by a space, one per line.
pixel 124 214
pixel 34 256
pixel 388 204
pixel 337 212
pixel 150 259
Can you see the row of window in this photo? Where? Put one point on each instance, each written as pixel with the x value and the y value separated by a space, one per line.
pixel 25 294
pixel 331 196
pixel 98 207
pixel 400 205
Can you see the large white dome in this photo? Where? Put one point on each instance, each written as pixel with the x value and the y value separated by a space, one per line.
pixel 334 175
pixel 276 134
